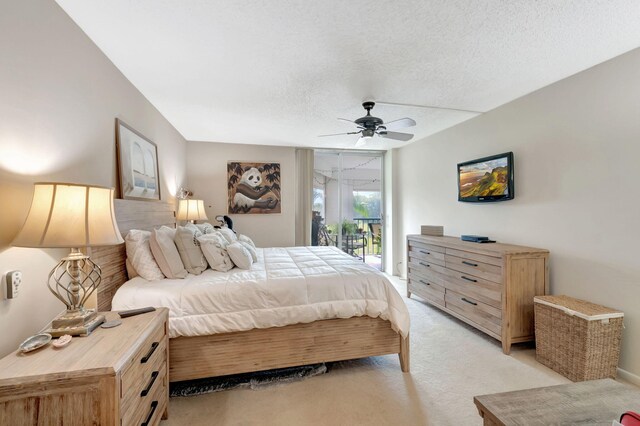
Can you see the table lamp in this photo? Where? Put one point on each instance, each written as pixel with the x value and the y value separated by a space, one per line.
pixel 191 210
pixel 68 215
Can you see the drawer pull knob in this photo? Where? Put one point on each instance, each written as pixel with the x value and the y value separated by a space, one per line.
pixel 154 405
pixel 425 252
pixel 469 279
pixel 154 376
pixel 425 264
pixel 469 263
pixel 470 302
pixel 424 282
pixel 144 359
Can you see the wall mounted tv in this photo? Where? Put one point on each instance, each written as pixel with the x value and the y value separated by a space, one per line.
pixel 486 179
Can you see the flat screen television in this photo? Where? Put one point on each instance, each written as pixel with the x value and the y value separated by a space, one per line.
pixel 486 179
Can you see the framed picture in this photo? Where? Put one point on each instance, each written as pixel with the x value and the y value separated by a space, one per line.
pixel 137 164
pixel 254 188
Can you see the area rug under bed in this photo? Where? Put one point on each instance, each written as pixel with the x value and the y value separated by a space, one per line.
pixel 247 380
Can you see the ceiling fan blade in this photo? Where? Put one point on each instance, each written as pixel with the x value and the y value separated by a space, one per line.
pixel 351 122
pixel 339 134
pixel 396 135
pixel 400 123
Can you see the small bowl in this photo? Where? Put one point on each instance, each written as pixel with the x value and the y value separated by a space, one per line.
pixel 35 342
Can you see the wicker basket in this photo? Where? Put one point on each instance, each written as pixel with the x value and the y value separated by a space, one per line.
pixel 578 339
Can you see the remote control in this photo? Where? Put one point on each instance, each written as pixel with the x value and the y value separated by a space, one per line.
pixel 132 312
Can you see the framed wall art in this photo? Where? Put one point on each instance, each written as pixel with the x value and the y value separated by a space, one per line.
pixel 137 158
pixel 254 188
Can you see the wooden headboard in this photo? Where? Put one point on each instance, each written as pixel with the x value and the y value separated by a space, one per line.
pixel 130 214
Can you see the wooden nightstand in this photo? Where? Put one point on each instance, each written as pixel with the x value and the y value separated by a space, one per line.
pixel 116 376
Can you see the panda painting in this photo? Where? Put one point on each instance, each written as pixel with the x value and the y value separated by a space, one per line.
pixel 254 188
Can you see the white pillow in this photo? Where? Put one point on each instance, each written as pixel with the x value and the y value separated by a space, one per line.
pixel 189 248
pixel 240 255
pixel 245 239
pixel 214 247
pixel 140 256
pixel 252 250
pixel 166 253
pixel 131 272
pixel 205 228
pixel 228 234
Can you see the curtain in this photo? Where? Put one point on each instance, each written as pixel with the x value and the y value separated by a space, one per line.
pixel 304 195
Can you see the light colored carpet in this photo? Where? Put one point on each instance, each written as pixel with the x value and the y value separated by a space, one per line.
pixel 450 364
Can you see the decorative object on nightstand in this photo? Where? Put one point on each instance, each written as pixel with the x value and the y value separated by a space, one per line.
pixel 114 377
pixel 578 339
pixel 68 215
pixel 191 210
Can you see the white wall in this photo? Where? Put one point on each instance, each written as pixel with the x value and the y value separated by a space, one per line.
pixel 207 176
pixel 60 97
pixel 577 150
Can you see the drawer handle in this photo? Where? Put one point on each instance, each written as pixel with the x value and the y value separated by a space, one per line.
pixel 470 302
pixel 425 264
pixel 154 376
pixel 154 405
pixel 469 263
pixel 469 279
pixel 144 359
pixel 424 282
pixel 425 252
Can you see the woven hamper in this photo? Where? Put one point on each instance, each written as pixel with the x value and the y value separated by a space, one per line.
pixel 578 339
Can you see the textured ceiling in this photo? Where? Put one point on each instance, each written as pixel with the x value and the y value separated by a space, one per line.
pixel 280 72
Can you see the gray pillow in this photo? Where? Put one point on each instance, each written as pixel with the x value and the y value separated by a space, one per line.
pixel 186 240
pixel 240 255
pixel 166 253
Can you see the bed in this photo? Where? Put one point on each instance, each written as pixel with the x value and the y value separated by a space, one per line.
pixel 295 306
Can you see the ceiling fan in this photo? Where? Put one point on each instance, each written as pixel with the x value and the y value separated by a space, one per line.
pixel 368 126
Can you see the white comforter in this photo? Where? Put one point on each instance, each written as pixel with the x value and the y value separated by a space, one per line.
pixel 286 286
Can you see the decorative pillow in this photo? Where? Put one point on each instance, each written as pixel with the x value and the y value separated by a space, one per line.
pixel 189 248
pixel 140 256
pixel 240 255
pixel 228 234
pixel 214 247
pixel 252 250
pixel 245 239
pixel 131 272
pixel 166 253
pixel 205 228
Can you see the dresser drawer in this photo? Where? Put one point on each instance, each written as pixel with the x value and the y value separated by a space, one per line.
pixel 429 255
pixel 427 247
pixel 484 258
pixel 474 267
pixel 477 312
pixel 136 384
pixel 426 267
pixel 486 291
pixel 148 409
pixel 427 289
pixel 429 275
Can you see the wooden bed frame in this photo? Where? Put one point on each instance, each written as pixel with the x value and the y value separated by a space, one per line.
pixel 253 350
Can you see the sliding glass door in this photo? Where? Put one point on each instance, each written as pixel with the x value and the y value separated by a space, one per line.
pixel 347 203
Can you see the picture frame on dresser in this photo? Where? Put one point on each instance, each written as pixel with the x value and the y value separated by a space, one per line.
pixel 137 164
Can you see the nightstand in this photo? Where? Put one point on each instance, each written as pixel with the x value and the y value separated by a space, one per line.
pixel 115 376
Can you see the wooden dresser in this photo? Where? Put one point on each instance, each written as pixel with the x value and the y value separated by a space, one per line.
pixel 489 286
pixel 115 376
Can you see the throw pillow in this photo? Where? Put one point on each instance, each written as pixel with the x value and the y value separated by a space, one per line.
pixel 189 248
pixel 214 247
pixel 131 272
pixel 205 228
pixel 140 256
pixel 166 253
pixel 246 239
pixel 240 255
pixel 252 250
pixel 228 234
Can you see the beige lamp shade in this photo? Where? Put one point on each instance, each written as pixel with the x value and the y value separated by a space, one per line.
pixel 70 215
pixel 191 210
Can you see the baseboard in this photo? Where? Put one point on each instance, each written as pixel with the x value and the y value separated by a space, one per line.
pixel 629 377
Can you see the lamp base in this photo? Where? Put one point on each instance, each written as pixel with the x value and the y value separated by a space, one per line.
pixel 80 323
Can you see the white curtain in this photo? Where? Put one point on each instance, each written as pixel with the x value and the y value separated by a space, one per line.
pixel 304 195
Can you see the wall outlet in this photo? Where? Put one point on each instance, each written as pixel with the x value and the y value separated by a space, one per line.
pixel 14 279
